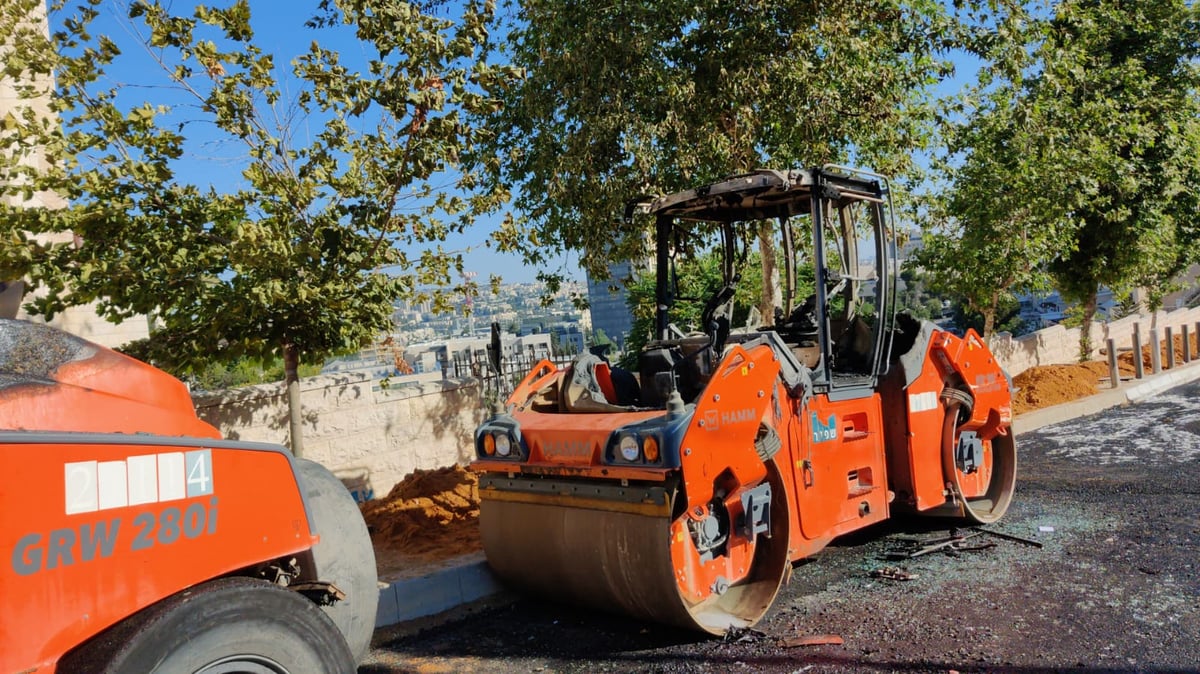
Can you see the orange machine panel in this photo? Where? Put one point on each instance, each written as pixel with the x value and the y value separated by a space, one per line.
pixel 965 361
pixel 726 422
pixel 52 381
pixel 95 527
pixel 840 469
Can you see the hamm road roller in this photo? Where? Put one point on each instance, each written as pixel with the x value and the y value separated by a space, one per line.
pixel 136 540
pixel 682 493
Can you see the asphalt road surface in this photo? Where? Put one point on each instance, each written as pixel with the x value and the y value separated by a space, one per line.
pixel 1114 499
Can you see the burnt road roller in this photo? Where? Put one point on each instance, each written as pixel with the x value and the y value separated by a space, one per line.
pixel 684 491
pixel 137 540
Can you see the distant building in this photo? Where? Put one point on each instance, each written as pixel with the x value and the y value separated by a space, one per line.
pixel 457 356
pixel 609 306
pixel 569 337
pixel 1042 310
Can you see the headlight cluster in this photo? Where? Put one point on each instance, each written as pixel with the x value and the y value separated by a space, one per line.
pixel 497 444
pixel 499 441
pixel 637 448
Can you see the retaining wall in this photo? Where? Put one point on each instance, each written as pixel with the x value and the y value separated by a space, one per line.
pixel 368 436
pixel 1057 345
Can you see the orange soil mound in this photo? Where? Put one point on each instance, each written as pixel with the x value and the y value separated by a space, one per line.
pixel 430 514
pixel 1047 385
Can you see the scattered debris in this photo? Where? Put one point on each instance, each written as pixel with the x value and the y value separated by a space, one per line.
pixel 814 640
pixel 952 543
pixel 1010 537
pixel 739 635
pixel 1046 530
pixel 893 573
pixel 974 548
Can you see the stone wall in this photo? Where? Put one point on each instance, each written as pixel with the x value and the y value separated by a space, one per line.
pixel 369 436
pixel 1058 345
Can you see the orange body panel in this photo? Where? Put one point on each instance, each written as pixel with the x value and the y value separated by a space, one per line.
pixel 561 444
pixel 839 469
pixel 115 495
pixel 967 358
pixel 726 420
pixel 78 560
pixel 540 376
pixel 105 392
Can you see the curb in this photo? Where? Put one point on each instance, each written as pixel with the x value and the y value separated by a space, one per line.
pixel 1185 374
pixel 412 598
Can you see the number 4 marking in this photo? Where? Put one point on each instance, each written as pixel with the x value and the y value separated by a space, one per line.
pixel 199 473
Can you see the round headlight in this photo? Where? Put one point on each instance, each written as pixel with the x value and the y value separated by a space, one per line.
pixel 650 448
pixel 629 448
pixel 503 444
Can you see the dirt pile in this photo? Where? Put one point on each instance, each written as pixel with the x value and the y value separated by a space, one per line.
pixel 1126 358
pixel 1048 385
pixel 429 515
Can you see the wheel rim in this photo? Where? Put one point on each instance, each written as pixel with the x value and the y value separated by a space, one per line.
pixel 244 664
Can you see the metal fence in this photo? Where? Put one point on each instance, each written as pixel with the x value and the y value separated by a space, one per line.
pixel 514 368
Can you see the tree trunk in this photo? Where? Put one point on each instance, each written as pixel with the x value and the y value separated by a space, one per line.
pixel 766 251
pixel 291 378
pixel 1085 329
pixel 989 317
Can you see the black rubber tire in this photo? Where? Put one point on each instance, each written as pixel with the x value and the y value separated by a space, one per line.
pixel 344 556
pixel 227 626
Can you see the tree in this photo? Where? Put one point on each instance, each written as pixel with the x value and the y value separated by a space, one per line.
pixel 994 230
pixel 915 296
pixel 341 202
pixel 1007 317
pixel 1118 99
pixel 1080 165
pixel 698 279
pixel 991 228
pixel 625 98
pixel 601 338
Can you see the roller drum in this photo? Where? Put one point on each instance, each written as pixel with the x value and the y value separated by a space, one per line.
pixel 622 562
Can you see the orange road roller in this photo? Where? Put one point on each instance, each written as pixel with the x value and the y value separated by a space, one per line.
pixel 136 540
pixel 684 491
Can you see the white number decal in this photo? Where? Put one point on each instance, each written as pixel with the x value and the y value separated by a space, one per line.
pixel 80 479
pixel 199 473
